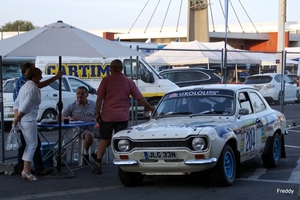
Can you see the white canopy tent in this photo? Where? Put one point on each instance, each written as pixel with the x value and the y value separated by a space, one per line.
pixel 195 52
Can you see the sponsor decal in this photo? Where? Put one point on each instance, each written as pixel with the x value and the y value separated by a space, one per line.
pixel 80 70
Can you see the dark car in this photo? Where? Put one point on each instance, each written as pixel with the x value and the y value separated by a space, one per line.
pixel 191 76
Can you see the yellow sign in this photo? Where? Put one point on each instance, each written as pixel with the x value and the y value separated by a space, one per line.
pixel 80 70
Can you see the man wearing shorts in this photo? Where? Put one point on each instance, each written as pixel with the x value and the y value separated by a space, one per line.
pixel 82 109
pixel 113 102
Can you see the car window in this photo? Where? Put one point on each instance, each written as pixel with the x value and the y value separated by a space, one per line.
pixel 75 83
pixel 199 76
pixel 287 79
pixel 293 77
pixel 9 86
pixel 133 72
pixel 64 85
pixel 258 79
pixel 258 104
pixel 277 78
pixel 203 102
pixel 183 76
pixel 244 101
pixel 169 76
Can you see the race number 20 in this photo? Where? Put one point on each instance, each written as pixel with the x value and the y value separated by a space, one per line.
pixel 250 138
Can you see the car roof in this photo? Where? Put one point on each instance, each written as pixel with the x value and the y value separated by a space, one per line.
pixel 234 87
pixel 44 76
pixel 187 69
pixel 265 74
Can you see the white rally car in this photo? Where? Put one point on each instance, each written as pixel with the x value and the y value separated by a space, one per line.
pixel 227 125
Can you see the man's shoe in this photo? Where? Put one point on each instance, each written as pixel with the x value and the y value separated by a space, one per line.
pixel 86 160
pixel 94 156
pixel 44 172
pixel 97 168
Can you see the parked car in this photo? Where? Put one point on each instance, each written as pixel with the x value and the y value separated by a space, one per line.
pixel 191 76
pixel 295 78
pixel 50 96
pixel 233 124
pixel 269 85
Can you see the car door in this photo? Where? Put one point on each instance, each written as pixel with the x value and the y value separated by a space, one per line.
pixel 50 94
pixel 290 89
pixel 262 112
pixel 248 134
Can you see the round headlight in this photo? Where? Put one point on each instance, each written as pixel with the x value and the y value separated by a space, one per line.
pixel 198 144
pixel 123 145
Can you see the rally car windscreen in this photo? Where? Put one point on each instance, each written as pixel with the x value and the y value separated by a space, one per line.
pixel 196 102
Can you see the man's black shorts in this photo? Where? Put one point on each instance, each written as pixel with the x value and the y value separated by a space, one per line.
pixel 106 128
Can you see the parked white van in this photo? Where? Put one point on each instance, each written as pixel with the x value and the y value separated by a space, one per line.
pixel 92 70
pixel 50 96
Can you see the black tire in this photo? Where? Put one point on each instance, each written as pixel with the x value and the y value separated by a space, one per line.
pixel 273 155
pixel 130 179
pixel 223 174
pixel 49 114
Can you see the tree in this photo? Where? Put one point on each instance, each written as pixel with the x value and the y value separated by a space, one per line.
pixel 18 25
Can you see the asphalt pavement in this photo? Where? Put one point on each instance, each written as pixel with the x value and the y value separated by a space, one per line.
pixel 63 180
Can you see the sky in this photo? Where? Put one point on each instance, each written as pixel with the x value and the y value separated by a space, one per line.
pixel 122 14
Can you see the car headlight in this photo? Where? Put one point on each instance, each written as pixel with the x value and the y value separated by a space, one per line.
pixel 198 144
pixel 123 145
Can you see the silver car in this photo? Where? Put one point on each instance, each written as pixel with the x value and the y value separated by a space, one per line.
pixel 197 128
pixel 269 85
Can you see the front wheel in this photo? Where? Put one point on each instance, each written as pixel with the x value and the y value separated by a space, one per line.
pixel 130 179
pixel 223 173
pixel 272 157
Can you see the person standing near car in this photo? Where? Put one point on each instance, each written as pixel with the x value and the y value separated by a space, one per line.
pixel 113 101
pixel 26 109
pixel 37 158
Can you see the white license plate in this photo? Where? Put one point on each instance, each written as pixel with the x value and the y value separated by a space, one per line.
pixel 163 155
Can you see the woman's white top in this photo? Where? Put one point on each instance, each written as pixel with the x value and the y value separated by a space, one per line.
pixel 28 101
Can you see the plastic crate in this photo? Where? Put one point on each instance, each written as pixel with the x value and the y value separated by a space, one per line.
pixel 45 148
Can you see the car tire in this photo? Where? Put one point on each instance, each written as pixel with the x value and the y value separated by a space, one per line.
pixel 49 114
pixel 223 173
pixel 272 157
pixel 130 179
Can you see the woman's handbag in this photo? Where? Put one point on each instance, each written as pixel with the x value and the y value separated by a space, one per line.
pixel 13 140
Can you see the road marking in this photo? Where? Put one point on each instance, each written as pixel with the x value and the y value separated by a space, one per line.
pixel 62 193
pixel 268 181
pixel 295 175
pixel 258 172
pixel 291 146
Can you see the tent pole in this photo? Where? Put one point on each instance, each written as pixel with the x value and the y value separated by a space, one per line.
pixel 59 106
pixel 2 114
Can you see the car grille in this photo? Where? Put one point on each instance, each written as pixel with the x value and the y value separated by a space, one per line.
pixel 184 143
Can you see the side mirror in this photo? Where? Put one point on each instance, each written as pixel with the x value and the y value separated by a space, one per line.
pixel 147 77
pixel 243 111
